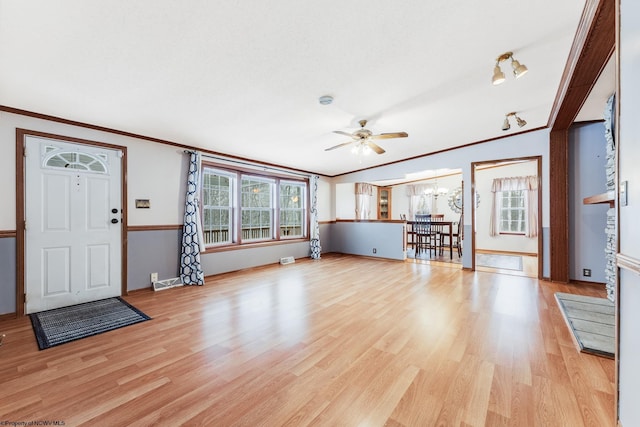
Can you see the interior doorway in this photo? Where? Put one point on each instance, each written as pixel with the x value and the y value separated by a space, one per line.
pixel 507 223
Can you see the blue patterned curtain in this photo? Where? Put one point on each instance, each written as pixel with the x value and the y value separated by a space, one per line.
pixel 190 269
pixel 315 228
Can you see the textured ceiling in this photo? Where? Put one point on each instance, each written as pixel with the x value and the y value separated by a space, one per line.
pixel 244 78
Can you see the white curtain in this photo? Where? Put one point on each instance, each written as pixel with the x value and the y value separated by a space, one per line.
pixel 417 195
pixel 530 185
pixel 316 249
pixel 364 192
pixel 192 239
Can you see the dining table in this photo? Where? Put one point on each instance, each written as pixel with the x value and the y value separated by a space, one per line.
pixel 442 227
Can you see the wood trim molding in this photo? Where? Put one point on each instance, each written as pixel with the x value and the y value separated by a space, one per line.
pixel 237 247
pixel 628 263
pixel 515 253
pixel 482 165
pixel 40 116
pixel 21 135
pixel 432 153
pixel 593 45
pixel 8 316
pixel 327 222
pixel 559 206
pixel 386 221
pixel 7 233
pixel 154 227
pixel 139 290
pixel 598 285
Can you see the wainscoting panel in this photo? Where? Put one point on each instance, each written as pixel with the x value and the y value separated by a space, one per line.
pixel 7 275
pixel 152 251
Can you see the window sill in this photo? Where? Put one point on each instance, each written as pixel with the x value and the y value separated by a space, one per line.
pixel 239 247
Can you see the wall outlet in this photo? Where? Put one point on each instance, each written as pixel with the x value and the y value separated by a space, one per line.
pixel 586 272
pixel 154 277
pixel 375 251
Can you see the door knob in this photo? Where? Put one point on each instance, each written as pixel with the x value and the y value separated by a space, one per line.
pixel 114 221
pixel 114 210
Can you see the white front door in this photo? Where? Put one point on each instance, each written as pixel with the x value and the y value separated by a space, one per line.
pixel 73 223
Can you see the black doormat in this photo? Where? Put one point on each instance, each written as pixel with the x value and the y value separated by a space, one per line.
pixel 61 325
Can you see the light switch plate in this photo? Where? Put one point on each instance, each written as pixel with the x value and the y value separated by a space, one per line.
pixel 623 193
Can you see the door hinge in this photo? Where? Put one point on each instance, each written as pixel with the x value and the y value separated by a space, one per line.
pixel 25 225
pixel 25 298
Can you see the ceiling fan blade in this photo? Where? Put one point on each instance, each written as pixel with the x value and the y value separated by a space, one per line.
pixel 375 147
pixel 344 133
pixel 390 135
pixel 338 146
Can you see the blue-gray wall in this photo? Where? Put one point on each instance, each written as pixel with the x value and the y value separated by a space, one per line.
pixel 158 251
pixel 7 275
pixel 152 251
pixel 587 177
pixel 360 238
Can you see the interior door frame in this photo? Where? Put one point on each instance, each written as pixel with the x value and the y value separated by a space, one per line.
pixel 21 135
pixel 538 160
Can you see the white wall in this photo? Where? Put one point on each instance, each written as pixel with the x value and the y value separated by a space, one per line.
pixel 400 199
pixel 484 180
pixel 326 201
pixel 345 201
pixel 629 158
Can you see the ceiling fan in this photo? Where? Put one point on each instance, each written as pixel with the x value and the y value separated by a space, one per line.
pixel 362 138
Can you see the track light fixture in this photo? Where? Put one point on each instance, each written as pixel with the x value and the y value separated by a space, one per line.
pixel 519 69
pixel 506 125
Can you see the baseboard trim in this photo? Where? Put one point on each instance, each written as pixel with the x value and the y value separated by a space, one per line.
pixel 8 316
pixel 492 251
pixel 135 291
pixel 585 283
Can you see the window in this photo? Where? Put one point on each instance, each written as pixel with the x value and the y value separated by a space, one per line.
pixel 424 204
pixel 292 209
pixel 60 159
pixel 257 208
pixel 239 207
pixel 512 212
pixel 217 207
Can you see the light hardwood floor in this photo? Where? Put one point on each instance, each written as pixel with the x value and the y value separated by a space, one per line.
pixel 343 341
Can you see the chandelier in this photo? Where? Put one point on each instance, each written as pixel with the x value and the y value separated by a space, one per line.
pixel 436 191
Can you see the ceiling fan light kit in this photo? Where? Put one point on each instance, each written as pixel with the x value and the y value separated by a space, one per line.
pixel 519 69
pixel 362 140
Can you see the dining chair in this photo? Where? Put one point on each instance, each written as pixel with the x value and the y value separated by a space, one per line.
pixel 425 233
pixel 458 236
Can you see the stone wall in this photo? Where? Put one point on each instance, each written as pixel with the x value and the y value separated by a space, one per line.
pixel 611 248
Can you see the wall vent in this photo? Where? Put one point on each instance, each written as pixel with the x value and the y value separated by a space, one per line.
pixel 161 285
pixel 287 260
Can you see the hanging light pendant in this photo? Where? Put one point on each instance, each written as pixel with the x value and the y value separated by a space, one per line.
pixel 506 125
pixel 519 69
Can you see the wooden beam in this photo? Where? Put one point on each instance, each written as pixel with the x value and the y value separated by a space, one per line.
pixel 559 204
pixel 592 47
